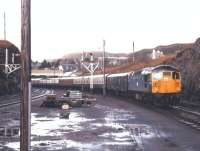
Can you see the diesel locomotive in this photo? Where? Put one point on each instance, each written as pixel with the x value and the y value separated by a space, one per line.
pixel 160 84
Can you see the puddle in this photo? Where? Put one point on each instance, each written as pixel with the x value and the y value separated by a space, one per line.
pixel 51 126
pixel 118 136
pixel 14 145
pixel 115 114
pixel 111 125
pixel 108 108
pixel 66 144
pixel 115 129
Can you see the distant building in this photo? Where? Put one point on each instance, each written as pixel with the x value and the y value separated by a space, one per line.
pixel 156 54
pixel 113 61
pixel 67 67
pixel 60 67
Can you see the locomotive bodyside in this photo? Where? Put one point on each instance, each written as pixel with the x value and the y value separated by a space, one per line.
pixel 140 81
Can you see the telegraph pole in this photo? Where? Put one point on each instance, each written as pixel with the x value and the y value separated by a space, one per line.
pixel 133 53
pixel 6 59
pixel 82 59
pixel 104 78
pixel 25 107
pixel 4 19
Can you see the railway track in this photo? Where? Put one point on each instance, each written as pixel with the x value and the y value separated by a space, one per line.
pixel 187 116
pixel 186 113
pixel 12 98
pixel 35 95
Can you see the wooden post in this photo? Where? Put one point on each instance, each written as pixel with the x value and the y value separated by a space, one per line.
pixel 4 18
pixel 104 78
pixel 25 75
pixel 82 59
pixel 133 53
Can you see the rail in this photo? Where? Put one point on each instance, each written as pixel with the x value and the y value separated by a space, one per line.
pixel 188 117
pixel 18 102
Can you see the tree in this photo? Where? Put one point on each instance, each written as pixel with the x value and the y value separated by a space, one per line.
pixel 45 64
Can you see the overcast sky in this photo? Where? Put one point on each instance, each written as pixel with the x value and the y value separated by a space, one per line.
pixel 63 26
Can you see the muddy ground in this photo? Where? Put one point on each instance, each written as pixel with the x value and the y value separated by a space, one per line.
pixel 109 125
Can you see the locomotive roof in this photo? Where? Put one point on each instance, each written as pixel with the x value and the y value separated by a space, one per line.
pixel 165 67
pixel 149 70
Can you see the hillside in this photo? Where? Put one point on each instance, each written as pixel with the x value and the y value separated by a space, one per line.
pixel 172 49
pixel 95 53
pixel 188 61
pixel 132 67
pixel 186 57
pixel 140 56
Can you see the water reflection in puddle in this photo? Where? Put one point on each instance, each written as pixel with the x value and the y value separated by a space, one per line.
pixel 45 126
pixel 67 144
pixel 113 129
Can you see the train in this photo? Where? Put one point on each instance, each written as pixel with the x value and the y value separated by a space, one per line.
pixel 158 85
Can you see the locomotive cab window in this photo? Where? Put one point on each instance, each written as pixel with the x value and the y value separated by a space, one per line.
pixel 166 75
pixel 147 78
pixel 176 75
pixel 157 76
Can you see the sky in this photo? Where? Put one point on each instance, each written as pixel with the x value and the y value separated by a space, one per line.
pixel 59 27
